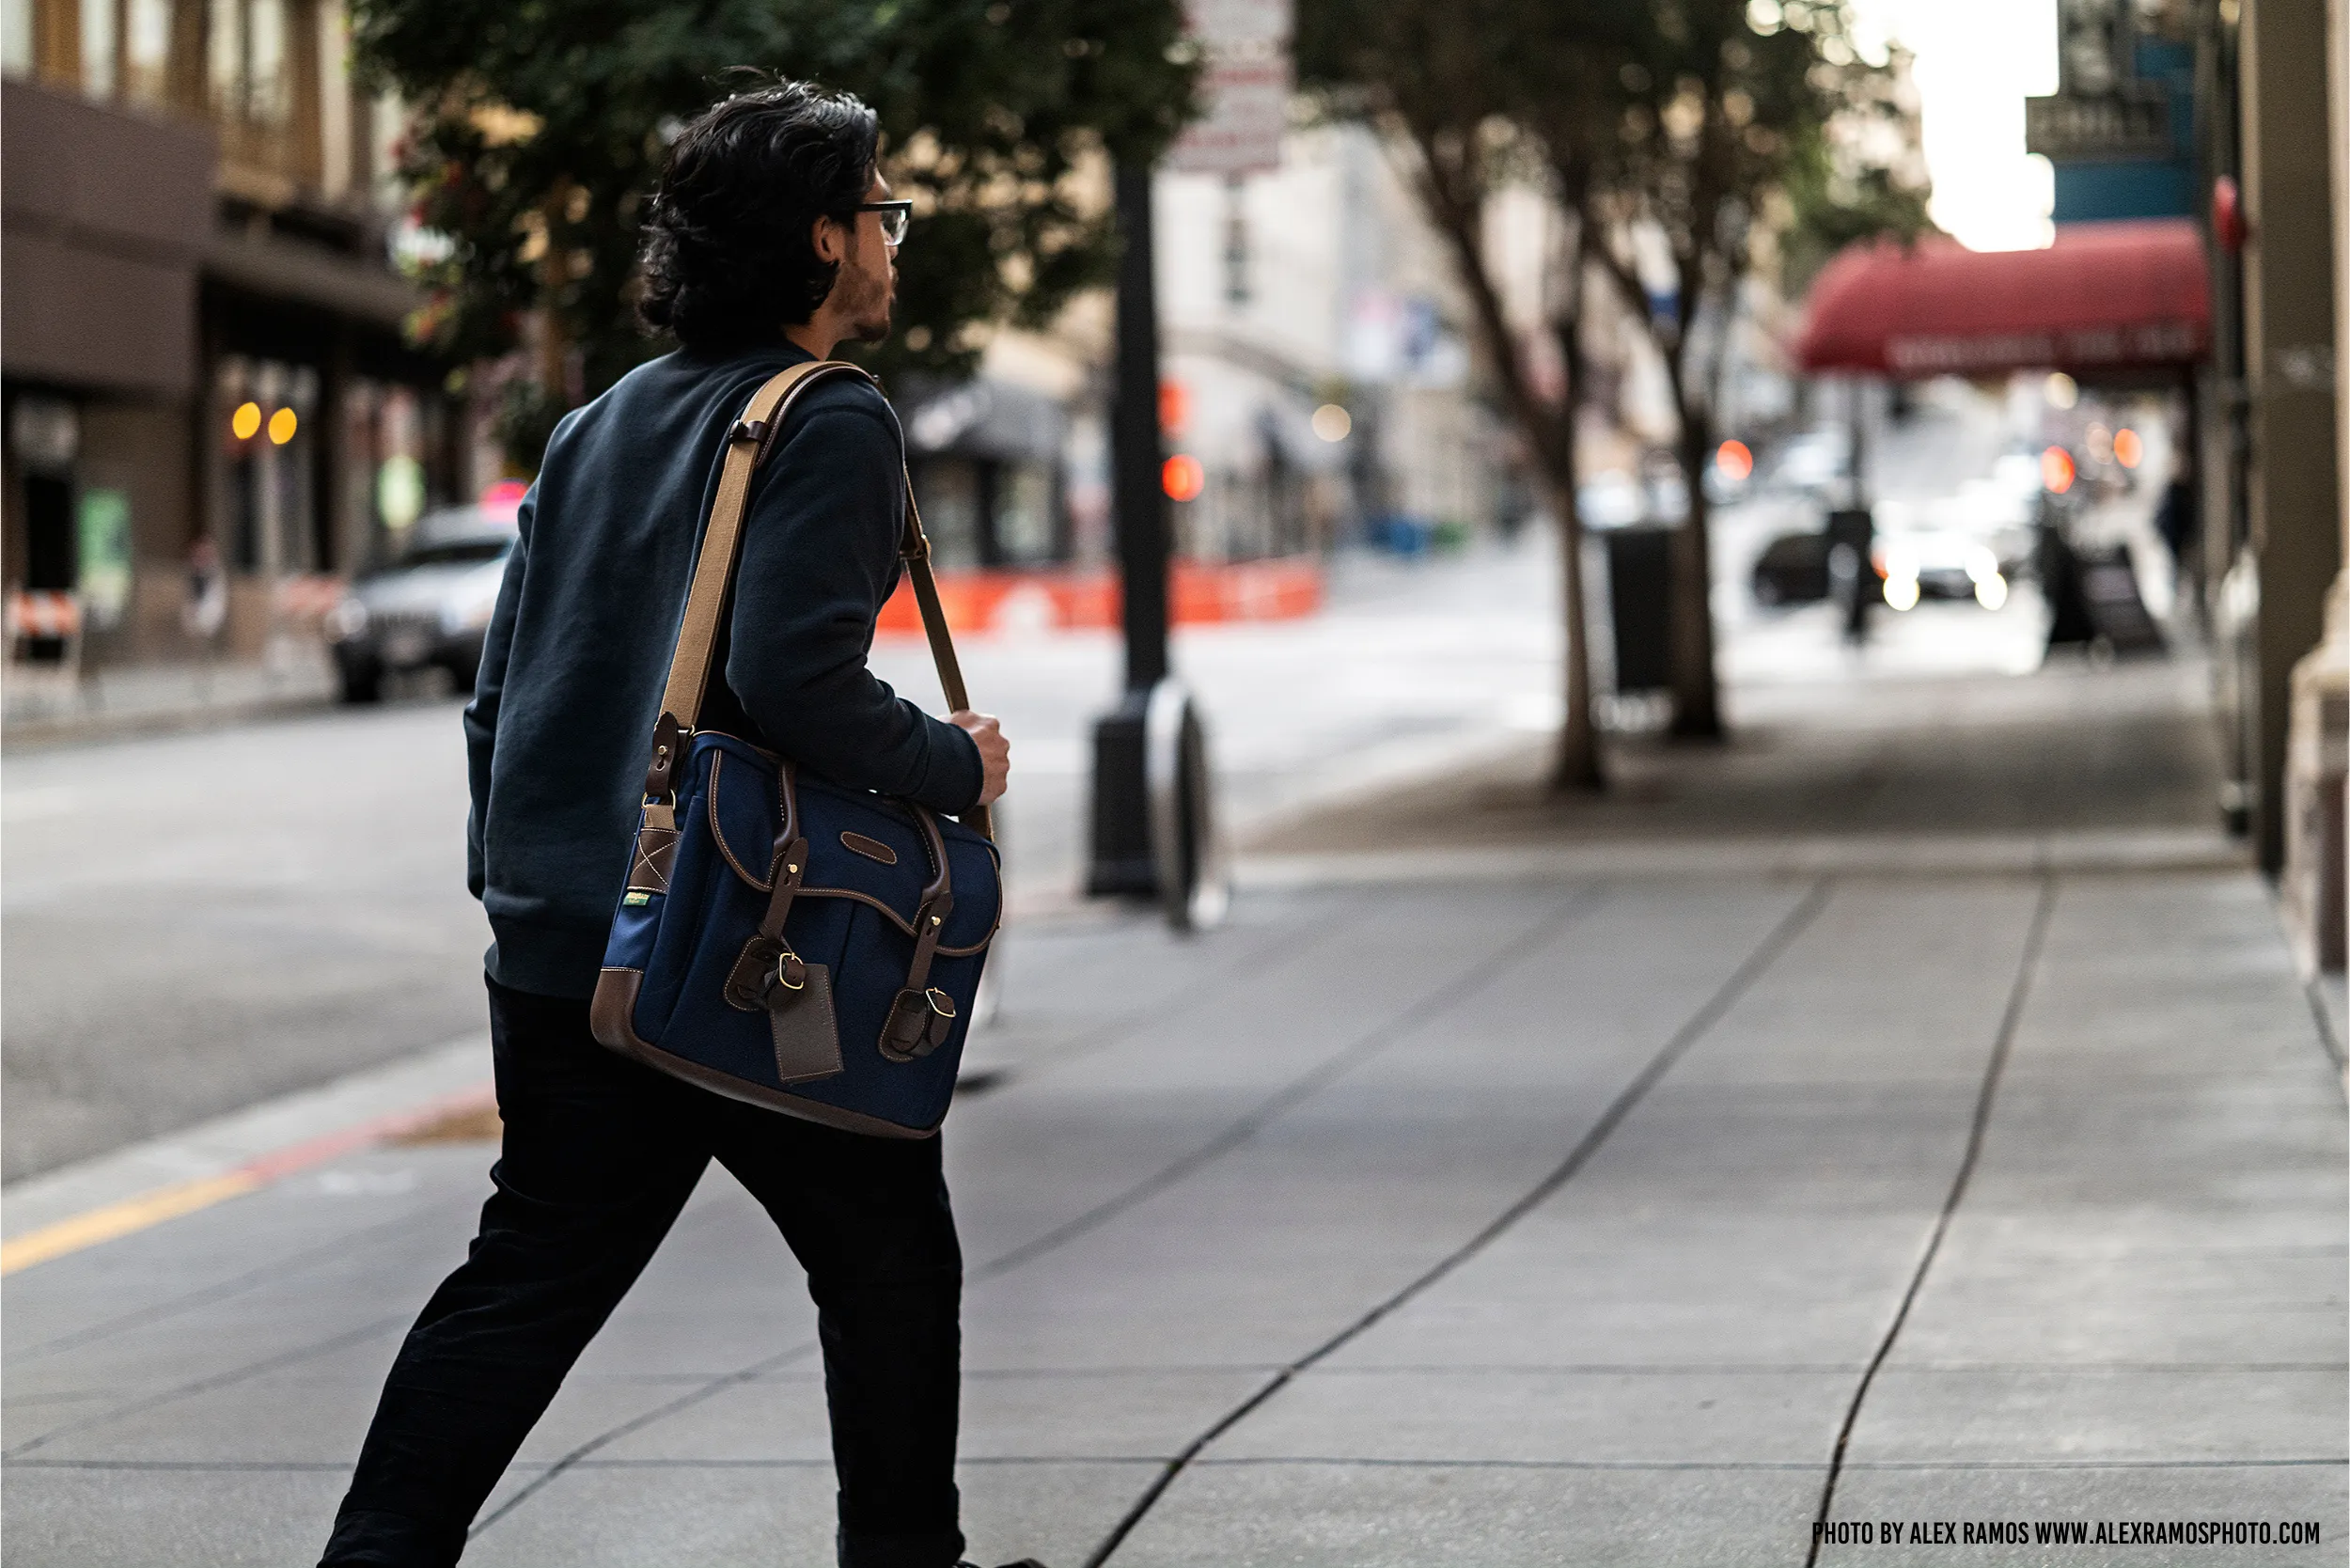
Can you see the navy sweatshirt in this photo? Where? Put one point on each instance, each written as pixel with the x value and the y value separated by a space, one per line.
pixel 560 726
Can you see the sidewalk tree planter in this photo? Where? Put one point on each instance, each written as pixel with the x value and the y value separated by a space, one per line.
pixel 538 129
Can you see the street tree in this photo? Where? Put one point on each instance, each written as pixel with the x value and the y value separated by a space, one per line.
pixel 1448 84
pixel 537 128
pixel 1738 117
pixel 1669 136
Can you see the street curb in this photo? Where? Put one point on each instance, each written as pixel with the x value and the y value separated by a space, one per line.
pixel 1969 855
pixel 48 734
pixel 112 1195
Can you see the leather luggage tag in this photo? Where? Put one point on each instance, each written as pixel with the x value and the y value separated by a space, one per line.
pixel 807 1040
pixel 799 1015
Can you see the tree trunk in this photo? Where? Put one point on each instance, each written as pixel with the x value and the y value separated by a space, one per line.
pixel 1576 764
pixel 1697 695
pixel 1548 433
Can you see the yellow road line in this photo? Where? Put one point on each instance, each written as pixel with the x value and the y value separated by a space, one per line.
pixel 120 1219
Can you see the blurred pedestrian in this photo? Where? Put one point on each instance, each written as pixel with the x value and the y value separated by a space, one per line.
pixel 2178 520
pixel 205 609
pixel 771 239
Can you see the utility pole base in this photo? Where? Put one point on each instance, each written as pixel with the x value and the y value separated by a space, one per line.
pixel 1121 864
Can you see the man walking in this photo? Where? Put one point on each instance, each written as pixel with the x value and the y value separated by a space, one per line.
pixel 770 240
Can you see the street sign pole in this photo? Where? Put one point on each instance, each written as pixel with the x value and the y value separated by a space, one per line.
pixel 1151 828
pixel 1137 453
pixel 1122 861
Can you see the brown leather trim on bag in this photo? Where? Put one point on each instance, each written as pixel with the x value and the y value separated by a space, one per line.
pixel 872 849
pixel 655 854
pixel 902 922
pixel 612 1015
pixel 764 885
pixel 623 985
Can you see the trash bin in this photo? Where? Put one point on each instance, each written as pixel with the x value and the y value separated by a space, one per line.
pixel 1639 600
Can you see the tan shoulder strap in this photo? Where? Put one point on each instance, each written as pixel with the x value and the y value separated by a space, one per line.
pixel 748 441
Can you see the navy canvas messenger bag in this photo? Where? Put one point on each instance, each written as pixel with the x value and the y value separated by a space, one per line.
pixel 783 940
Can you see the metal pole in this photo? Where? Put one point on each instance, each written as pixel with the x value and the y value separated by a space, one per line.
pixel 1121 860
pixel 1135 452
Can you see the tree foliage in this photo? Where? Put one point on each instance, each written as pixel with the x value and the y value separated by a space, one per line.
pixel 540 124
pixel 1669 134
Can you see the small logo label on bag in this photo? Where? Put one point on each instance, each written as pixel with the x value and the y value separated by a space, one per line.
pixel 635 901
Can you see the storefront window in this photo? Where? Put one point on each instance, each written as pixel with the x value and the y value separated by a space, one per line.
pixel 147 51
pixel 97 48
pixel 1023 514
pixel 947 491
pixel 265 417
pixel 248 63
pixel 16 37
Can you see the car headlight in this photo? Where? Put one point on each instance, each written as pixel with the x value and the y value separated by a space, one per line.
pixel 346 620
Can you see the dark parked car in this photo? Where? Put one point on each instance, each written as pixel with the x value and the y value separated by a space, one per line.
pixel 1792 569
pixel 430 607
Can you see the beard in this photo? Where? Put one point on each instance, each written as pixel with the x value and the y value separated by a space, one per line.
pixel 867 302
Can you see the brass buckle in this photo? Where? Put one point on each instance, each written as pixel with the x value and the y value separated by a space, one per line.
pixel 941 1004
pixel 784 961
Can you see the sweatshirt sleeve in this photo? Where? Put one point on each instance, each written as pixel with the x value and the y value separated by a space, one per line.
pixel 820 554
pixel 488 693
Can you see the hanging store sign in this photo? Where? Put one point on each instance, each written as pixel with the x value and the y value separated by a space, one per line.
pixel 1245 84
pixel 2127 125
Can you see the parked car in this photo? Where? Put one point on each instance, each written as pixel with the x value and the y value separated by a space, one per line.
pixel 1792 569
pixel 430 606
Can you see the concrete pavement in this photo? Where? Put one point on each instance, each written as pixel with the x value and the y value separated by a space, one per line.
pixel 1475 1224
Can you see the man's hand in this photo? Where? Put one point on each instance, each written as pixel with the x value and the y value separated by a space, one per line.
pixel 994 751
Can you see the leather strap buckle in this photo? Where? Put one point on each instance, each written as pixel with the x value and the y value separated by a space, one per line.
pixel 668 750
pixel 753 430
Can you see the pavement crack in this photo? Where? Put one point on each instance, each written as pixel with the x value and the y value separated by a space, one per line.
pixel 218 1380
pixel 1061 1235
pixel 268 1273
pixel 1118 1029
pixel 1298 1089
pixel 637 1423
pixel 1725 995
pixel 2001 1047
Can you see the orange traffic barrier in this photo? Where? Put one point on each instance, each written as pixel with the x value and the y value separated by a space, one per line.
pixel 43 613
pixel 1076 599
pixel 309 593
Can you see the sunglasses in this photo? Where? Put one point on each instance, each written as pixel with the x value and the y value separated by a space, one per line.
pixel 895 216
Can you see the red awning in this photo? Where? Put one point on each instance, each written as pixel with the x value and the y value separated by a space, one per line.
pixel 2106 297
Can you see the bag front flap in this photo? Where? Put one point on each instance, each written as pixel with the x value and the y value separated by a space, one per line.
pixel 861 846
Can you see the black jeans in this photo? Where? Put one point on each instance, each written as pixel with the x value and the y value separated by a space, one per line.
pixel 600 1155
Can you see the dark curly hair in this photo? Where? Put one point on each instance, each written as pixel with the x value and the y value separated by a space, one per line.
pixel 727 258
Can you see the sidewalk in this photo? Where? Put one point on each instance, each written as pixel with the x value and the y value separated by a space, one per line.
pixel 1559 1216
pixel 49 705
